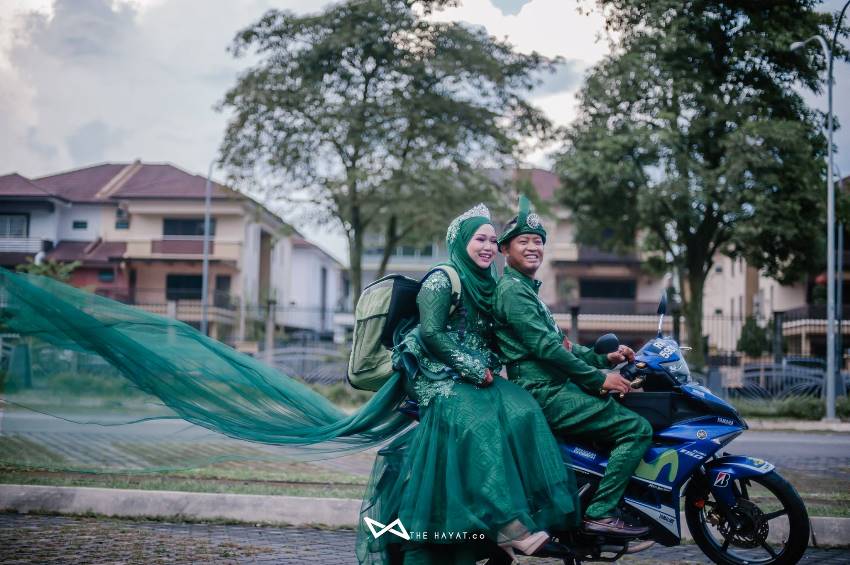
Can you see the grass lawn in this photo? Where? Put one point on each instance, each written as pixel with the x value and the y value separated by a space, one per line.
pixel 823 496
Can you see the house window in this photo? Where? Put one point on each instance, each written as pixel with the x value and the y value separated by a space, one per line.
pixel 122 219
pixel 186 227
pixel 14 225
pixel 106 275
pixel 607 288
pixel 80 225
pixel 183 287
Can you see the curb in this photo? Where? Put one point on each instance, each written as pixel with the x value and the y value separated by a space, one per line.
pixel 786 425
pixel 248 508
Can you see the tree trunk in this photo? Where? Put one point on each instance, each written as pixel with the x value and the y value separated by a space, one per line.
pixel 692 309
pixel 355 255
pixel 390 241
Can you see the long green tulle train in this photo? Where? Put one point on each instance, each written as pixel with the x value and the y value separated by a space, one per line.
pixel 97 361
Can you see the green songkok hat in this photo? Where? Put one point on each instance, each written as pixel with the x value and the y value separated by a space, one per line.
pixel 526 222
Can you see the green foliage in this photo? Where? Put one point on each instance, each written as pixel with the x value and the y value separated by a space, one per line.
pixel 49 268
pixel 842 407
pixel 795 407
pixel 754 339
pixel 692 133
pixel 377 116
pixel 342 394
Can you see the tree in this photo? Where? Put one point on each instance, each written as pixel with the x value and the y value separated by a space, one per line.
pixel 378 117
pixel 49 268
pixel 754 339
pixel 692 138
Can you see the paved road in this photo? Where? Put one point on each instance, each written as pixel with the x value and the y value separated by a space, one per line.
pixel 150 443
pixel 62 540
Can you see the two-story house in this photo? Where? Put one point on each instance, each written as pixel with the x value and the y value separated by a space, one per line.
pixel 138 231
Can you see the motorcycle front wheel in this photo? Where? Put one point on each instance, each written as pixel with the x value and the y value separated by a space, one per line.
pixel 768 526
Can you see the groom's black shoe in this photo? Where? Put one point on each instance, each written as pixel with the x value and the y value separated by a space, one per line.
pixel 613 526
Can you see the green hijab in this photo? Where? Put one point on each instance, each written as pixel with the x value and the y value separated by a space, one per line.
pixel 479 284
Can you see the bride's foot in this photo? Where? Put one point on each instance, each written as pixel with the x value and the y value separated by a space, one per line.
pixel 528 545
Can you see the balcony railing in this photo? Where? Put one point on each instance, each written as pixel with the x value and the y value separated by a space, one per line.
pixel 616 306
pixel 21 244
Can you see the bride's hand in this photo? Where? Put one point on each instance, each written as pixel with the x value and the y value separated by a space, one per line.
pixel 488 378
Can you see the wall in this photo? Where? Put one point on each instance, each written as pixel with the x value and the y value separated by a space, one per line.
pixel 92 214
pixel 304 303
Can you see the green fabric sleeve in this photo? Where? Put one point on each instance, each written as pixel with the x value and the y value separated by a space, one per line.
pixel 520 308
pixel 434 301
pixel 589 356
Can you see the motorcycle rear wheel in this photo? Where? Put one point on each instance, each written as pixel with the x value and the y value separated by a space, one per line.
pixel 764 502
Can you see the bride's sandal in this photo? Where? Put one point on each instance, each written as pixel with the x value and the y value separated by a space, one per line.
pixel 528 545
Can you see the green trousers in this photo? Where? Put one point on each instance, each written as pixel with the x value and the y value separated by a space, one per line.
pixel 573 413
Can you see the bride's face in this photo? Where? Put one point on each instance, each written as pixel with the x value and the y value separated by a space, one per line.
pixel 482 247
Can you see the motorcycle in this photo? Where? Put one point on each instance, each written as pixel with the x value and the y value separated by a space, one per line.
pixel 738 509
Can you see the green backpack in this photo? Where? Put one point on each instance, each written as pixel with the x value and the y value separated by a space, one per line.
pixel 382 307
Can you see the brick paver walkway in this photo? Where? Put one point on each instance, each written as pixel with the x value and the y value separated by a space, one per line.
pixel 65 540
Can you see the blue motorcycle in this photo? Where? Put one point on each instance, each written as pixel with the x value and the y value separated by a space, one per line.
pixel 738 509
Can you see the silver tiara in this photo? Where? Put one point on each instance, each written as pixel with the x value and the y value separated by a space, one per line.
pixel 475 211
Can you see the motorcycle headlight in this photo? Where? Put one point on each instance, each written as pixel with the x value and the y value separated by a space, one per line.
pixel 678 370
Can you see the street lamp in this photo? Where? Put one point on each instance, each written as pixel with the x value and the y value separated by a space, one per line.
pixel 830 223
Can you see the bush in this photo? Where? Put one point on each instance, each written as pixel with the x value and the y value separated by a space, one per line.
pixel 342 394
pixel 797 407
pixel 842 407
pixel 753 341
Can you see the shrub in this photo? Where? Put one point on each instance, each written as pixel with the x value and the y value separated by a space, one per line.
pixel 797 407
pixel 753 341
pixel 842 407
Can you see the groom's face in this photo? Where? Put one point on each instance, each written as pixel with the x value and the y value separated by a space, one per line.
pixel 524 253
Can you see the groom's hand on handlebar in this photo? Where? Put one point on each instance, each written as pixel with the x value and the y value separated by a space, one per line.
pixel 616 383
pixel 623 353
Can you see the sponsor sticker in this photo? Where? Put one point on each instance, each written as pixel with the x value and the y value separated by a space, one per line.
pixel 584 453
pixel 721 480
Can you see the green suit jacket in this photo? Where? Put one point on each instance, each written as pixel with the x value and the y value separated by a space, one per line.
pixel 531 343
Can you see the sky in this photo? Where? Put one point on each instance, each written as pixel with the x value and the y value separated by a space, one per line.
pixel 91 81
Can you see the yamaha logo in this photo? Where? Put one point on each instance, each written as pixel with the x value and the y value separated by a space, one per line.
pixel 702 434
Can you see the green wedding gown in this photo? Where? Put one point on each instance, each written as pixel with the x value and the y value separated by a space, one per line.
pixel 482 459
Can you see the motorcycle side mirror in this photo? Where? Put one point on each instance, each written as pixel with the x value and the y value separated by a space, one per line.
pixel 608 343
pixel 662 305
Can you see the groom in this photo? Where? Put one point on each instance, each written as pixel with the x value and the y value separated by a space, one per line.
pixel 566 380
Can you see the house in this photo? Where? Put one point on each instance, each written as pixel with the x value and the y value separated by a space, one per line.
pixel 137 229
pixel 607 288
pixel 316 290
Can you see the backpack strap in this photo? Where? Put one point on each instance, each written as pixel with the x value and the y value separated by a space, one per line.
pixel 457 291
pixel 454 278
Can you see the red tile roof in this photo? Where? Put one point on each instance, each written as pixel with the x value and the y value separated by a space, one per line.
pixel 89 252
pixel 16 185
pixel 129 180
pixel 80 185
pixel 167 181
pixel 545 182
